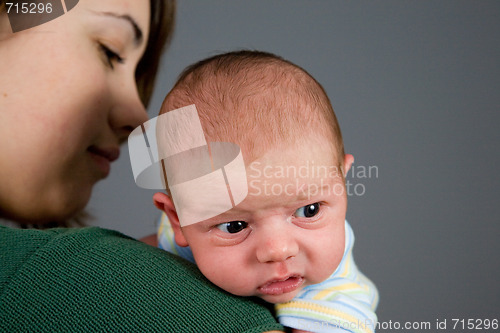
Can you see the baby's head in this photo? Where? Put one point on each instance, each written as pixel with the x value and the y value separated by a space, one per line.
pixel 289 230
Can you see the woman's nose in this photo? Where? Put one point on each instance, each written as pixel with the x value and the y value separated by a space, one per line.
pixel 128 112
pixel 275 246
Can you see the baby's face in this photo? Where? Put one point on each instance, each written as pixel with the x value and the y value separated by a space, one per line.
pixel 287 233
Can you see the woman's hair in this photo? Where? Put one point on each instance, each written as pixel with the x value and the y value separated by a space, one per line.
pixel 161 27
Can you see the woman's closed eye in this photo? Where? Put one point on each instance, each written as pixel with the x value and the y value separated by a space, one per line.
pixel 308 211
pixel 232 227
pixel 111 56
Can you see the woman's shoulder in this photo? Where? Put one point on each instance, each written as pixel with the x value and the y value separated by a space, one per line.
pixel 76 279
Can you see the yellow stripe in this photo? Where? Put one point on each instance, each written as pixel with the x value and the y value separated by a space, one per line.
pixel 165 232
pixel 321 309
pixel 326 292
pixel 347 268
pixel 162 223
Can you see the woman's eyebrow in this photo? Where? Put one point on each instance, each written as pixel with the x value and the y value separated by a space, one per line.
pixel 138 35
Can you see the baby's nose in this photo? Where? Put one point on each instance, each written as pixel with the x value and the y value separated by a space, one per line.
pixel 277 248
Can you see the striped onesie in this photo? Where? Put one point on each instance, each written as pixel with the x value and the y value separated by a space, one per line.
pixel 345 302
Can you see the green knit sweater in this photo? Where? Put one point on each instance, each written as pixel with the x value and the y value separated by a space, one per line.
pixel 97 280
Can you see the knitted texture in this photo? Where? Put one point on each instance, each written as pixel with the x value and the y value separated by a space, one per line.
pixel 97 280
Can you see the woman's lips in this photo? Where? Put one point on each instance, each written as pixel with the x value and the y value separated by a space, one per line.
pixel 281 286
pixel 103 157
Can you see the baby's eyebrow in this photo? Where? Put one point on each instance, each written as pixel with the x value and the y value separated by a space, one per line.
pixel 303 193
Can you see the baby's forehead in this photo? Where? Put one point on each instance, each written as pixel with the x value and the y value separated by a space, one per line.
pixel 292 158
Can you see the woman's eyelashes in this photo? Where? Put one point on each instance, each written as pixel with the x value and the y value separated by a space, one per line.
pixel 232 227
pixel 308 211
pixel 111 56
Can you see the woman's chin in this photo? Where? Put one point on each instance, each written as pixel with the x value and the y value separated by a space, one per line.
pixel 68 204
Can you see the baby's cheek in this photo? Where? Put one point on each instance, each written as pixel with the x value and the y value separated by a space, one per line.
pixel 328 260
pixel 230 281
pixel 325 270
pixel 225 273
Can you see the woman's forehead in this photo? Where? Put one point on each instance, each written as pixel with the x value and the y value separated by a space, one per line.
pixel 137 13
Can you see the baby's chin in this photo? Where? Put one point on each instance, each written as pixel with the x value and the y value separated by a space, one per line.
pixel 283 298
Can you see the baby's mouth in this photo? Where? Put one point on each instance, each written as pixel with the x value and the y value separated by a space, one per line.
pixel 281 286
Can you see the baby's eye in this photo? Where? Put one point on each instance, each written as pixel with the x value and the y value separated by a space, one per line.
pixel 233 226
pixel 308 211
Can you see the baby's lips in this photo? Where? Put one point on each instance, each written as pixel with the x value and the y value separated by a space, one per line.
pixel 281 286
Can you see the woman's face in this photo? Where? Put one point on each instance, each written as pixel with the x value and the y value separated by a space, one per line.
pixel 68 98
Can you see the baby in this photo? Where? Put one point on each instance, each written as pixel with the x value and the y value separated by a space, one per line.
pixel 287 240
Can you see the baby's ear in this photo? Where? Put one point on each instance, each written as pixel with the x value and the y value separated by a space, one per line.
pixel 164 203
pixel 348 161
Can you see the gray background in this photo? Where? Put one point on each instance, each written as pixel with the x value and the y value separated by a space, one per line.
pixel 415 85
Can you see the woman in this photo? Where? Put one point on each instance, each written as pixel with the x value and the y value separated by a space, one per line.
pixel 71 90
pixel 69 98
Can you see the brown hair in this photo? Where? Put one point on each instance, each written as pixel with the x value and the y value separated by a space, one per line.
pixel 161 28
pixel 257 100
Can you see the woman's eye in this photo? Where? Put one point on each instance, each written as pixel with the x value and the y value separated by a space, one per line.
pixel 233 226
pixel 111 56
pixel 308 211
